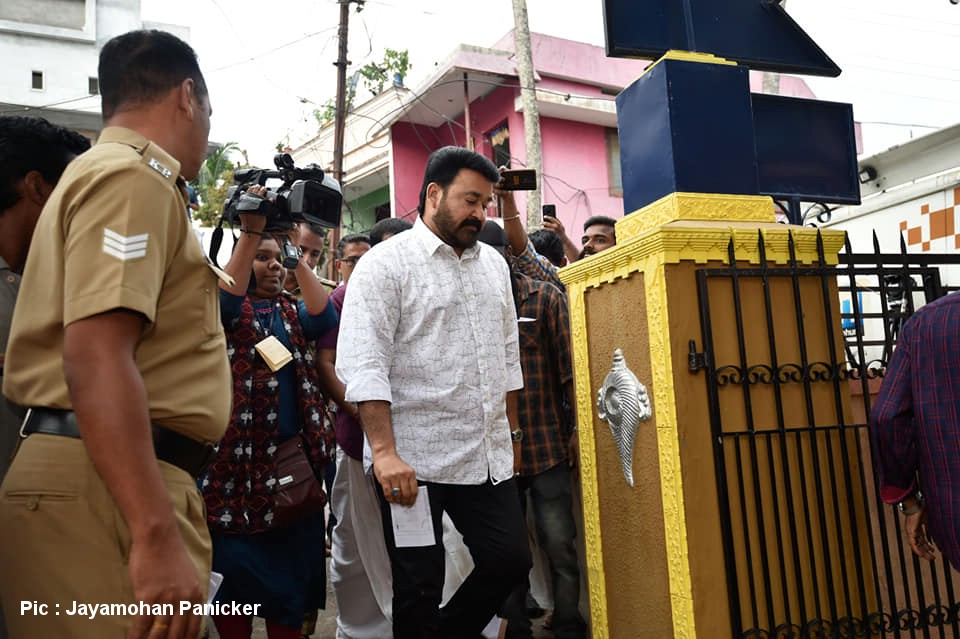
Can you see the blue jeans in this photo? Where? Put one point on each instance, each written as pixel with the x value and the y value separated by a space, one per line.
pixel 552 503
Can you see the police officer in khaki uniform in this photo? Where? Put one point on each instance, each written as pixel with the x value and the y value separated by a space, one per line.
pixel 121 359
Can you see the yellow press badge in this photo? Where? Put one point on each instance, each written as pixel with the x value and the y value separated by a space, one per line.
pixel 274 353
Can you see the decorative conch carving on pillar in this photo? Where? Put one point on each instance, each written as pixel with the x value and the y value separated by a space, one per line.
pixel 623 403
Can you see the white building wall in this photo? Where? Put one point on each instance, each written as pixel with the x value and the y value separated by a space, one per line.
pixel 67 57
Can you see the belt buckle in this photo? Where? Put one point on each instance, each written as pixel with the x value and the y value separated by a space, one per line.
pixel 23 424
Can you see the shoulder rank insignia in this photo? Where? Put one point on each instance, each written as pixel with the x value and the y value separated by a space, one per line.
pixel 159 168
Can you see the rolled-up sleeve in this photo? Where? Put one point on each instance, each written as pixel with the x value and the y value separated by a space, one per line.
pixel 368 326
pixel 536 266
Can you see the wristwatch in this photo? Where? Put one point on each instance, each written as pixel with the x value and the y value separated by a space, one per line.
pixel 911 510
pixel 516 435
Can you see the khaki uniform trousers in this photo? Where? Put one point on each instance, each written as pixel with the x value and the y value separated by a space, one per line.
pixel 63 540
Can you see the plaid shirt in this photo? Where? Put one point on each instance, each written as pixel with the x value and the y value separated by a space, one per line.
pixel 534 265
pixel 916 420
pixel 544 324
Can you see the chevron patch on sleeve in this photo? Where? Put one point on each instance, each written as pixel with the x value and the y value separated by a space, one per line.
pixel 124 247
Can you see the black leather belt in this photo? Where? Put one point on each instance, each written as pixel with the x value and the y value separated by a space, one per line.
pixel 170 446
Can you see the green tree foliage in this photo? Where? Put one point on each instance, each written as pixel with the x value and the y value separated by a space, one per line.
pixel 213 198
pixel 376 75
pixel 326 114
pixel 215 177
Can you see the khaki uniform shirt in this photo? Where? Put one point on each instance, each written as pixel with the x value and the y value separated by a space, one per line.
pixel 9 418
pixel 114 235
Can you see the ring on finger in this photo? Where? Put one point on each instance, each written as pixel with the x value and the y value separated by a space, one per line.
pixel 395 492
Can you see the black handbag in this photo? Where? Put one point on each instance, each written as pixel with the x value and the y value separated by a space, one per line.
pixel 299 493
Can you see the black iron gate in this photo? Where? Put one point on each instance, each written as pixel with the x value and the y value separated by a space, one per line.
pixel 792 355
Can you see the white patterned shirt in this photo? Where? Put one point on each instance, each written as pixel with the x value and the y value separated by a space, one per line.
pixel 436 336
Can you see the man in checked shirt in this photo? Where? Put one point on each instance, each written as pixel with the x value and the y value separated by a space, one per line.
pixel 547 428
pixel 916 427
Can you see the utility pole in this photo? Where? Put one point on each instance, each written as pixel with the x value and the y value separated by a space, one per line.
pixel 531 113
pixel 341 115
pixel 342 63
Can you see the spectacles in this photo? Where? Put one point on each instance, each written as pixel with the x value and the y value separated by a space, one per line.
pixel 352 260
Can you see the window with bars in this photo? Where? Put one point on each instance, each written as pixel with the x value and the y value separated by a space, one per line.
pixel 500 143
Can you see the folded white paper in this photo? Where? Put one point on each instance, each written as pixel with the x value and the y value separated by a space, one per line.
pixel 413 525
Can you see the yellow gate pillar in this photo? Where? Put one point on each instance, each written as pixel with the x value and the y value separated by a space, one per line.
pixel 663 558
pixel 656 565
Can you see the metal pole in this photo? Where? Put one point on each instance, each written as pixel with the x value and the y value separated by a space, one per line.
pixel 339 120
pixel 531 113
pixel 466 113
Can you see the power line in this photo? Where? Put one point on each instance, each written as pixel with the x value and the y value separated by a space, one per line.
pixel 21 109
pixel 863 17
pixel 913 95
pixel 912 74
pixel 918 126
pixel 275 49
pixel 926 63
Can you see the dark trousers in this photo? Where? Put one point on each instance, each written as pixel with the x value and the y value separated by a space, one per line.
pixel 489 518
pixel 552 503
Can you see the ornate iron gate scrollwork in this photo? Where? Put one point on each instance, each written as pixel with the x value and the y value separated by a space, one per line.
pixel 811 551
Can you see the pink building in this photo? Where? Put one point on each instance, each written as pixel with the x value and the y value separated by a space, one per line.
pixel 389 138
pixel 576 86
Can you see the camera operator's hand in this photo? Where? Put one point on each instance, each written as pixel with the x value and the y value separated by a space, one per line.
pixel 513 224
pixel 240 265
pixel 251 222
pixel 315 296
pixel 294 234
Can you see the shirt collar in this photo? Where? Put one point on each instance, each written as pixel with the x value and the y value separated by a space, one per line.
pixel 525 287
pixel 143 146
pixel 432 243
pixel 3 265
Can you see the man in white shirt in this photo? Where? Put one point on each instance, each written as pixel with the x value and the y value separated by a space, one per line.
pixel 428 349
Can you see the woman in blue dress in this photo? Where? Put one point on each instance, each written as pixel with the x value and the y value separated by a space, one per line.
pixel 262 564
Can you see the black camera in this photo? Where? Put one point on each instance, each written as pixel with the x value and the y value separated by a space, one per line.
pixel 305 195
